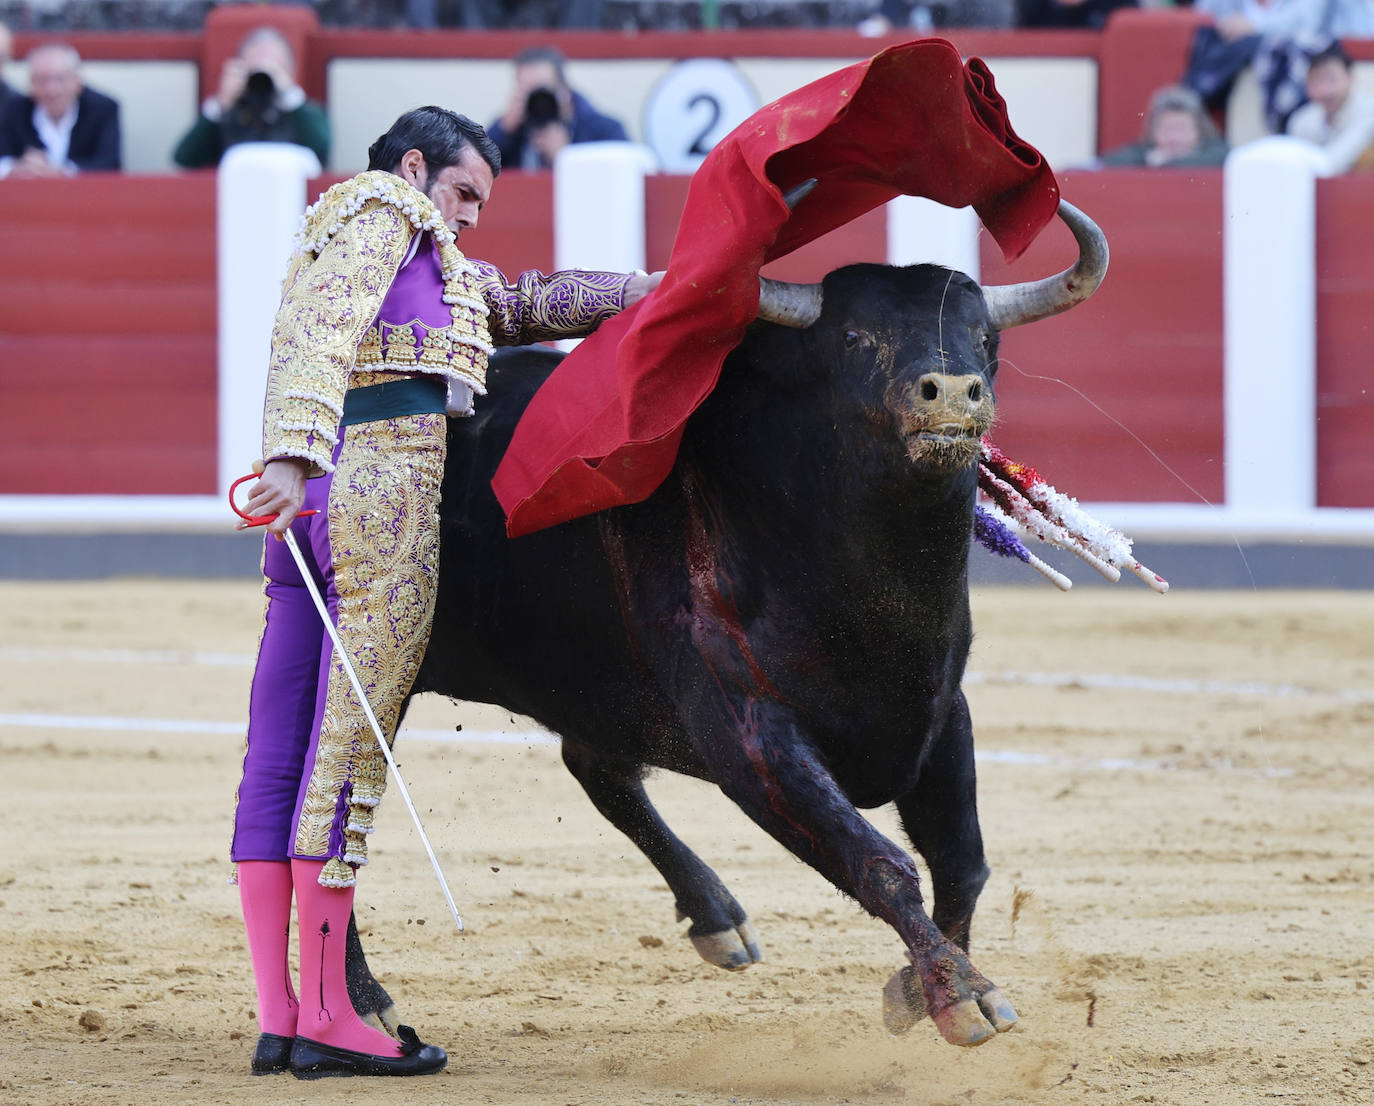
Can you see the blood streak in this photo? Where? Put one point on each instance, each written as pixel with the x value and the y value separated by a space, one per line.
pixel 713 608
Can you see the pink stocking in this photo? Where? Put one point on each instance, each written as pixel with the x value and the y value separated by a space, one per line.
pixel 265 892
pixel 327 1013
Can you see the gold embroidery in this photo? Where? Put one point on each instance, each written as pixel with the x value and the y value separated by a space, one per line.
pixel 321 320
pixel 351 245
pixel 381 376
pixel 435 350
pixel 384 539
pixel 537 308
pixel 370 351
pixel 400 347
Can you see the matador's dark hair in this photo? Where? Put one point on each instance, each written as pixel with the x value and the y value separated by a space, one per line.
pixel 439 134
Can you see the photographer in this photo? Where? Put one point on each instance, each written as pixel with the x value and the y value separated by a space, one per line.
pixel 544 114
pixel 258 101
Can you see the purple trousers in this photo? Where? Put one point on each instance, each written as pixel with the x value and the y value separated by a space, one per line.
pixel 289 681
pixel 312 771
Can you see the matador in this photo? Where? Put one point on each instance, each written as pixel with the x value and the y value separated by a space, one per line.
pixel 382 322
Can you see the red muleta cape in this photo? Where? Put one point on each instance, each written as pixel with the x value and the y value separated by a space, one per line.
pixel 604 429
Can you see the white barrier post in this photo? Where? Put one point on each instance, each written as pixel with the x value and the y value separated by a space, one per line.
pixel 1270 329
pixel 260 198
pixel 598 207
pixel 922 231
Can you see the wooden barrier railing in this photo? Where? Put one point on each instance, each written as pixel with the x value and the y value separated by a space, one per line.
pixel 107 332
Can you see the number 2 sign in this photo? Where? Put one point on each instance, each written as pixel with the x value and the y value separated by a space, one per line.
pixel 696 104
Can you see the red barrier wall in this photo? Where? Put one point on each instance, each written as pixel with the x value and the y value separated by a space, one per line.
pixel 1345 334
pixel 107 335
pixel 107 332
pixel 1138 415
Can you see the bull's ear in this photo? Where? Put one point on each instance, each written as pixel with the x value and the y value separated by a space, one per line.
pixel 794 305
pixel 1017 304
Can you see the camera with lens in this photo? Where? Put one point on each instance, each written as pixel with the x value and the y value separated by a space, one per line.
pixel 541 108
pixel 255 116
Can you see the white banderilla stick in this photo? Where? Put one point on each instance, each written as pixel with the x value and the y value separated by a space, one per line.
pixel 342 654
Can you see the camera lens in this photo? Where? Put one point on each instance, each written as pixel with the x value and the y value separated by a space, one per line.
pixel 541 108
pixel 259 85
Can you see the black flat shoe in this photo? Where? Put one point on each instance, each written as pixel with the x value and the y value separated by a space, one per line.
pixel 315 1060
pixel 272 1054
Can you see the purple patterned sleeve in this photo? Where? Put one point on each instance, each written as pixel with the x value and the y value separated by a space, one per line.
pixel 539 308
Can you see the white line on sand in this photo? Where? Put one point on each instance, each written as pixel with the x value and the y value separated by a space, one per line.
pixel 110 723
pixel 63 654
pixel 1247 689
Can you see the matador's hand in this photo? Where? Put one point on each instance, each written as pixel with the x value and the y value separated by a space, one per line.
pixel 280 492
pixel 639 286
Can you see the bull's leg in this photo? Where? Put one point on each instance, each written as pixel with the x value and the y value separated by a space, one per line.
pixel 765 765
pixel 720 930
pixel 369 997
pixel 940 815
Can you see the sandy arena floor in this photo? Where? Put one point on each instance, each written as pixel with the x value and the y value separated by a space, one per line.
pixel 1178 793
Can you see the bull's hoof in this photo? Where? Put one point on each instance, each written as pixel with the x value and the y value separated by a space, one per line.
pixel 964 1024
pixel 998 1010
pixel 903 1003
pixel 973 1022
pixel 732 949
pixel 387 1021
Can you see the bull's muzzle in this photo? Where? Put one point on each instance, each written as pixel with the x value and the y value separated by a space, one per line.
pixel 952 404
pixel 944 415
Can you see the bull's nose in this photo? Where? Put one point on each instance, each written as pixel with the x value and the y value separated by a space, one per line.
pixel 947 388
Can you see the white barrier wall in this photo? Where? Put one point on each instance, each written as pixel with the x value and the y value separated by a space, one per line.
pixel 1055 98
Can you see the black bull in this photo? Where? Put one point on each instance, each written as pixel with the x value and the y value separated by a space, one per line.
pixel 786 617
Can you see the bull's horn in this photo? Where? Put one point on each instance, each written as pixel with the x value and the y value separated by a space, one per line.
pixel 795 305
pixel 1015 304
pixel 793 196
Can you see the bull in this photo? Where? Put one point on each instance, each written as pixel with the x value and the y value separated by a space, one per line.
pixel 786 617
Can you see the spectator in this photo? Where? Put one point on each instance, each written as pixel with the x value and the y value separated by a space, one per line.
pixel 921 17
pixel 1338 117
pixel 61 128
pixel 1178 133
pixel 1282 19
pixel 1277 36
pixel 481 15
pixel 6 52
pixel 544 114
pixel 258 101
pixel 1091 14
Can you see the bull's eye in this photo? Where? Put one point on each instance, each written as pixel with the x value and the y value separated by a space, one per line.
pixel 851 339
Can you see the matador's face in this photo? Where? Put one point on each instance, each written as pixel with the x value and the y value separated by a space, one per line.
pixel 459 191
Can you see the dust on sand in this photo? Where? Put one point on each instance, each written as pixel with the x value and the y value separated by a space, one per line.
pixel 1177 798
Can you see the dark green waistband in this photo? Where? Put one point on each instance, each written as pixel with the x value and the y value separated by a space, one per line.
pixel 414 395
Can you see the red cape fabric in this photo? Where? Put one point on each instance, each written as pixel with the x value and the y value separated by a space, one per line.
pixel 604 429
